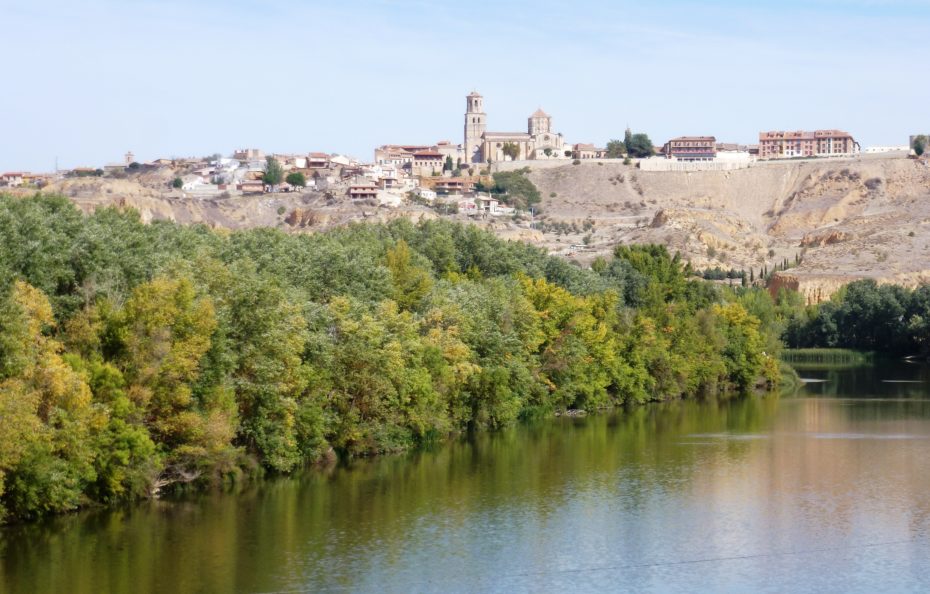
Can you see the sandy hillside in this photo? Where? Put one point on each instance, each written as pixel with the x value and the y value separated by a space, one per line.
pixel 845 219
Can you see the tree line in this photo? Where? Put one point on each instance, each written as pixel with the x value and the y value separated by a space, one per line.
pixel 141 358
pixel 866 316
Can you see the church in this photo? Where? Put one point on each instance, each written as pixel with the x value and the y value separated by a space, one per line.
pixel 481 146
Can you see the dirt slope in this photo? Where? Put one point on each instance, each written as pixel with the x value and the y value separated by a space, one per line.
pixel 846 219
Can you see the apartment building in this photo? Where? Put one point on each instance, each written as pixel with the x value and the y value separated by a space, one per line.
pixel 782 144
pixel 691 148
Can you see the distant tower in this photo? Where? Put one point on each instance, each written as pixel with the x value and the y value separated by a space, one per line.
pixel 130 158
pixel 476 122
pixel 539 123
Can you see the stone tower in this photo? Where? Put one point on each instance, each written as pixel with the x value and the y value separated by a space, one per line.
pixel 539 123
pixel 476 122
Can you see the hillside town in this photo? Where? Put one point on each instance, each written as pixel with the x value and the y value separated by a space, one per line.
pixel 459 176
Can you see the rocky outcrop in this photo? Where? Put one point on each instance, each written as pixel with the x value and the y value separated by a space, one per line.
pixel 822 238
pixel 814 288
pixel 303 218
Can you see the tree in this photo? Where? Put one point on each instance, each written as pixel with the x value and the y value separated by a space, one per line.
pixel 520 191
pixel 615 149
pixel 297 179
pixel 547 151
pixel 640 146
pixel 161 336
pixel 627 139
pixel 511 149
pixel 178 183
pixel 448 165
pixel 411 282
pixel 920 144
pixel 274 173
pixel 46 414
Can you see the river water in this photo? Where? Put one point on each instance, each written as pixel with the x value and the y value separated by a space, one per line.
pixel 825 490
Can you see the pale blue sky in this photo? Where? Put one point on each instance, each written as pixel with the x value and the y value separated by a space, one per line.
pixel 85 81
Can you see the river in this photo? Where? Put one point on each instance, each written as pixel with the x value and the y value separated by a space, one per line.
pixel 825 490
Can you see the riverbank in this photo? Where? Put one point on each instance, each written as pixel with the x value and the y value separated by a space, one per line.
pixel 139 359
pixel 717 495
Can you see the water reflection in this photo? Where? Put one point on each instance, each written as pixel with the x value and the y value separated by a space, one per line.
pixel 760 493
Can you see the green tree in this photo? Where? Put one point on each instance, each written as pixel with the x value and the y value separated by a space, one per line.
pixel 640 146
pixel 615 149
pixel 161 335
pixel 411 282
pixel 46 459
pixel 512 150
pixel 178 183
pixel 519 190
pixel 274 173
pixel 920 144
pixel 296 179
pixel 448 165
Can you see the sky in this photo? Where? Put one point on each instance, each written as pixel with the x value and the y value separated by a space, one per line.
pixel 86 81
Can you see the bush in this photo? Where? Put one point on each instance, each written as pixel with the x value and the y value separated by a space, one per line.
pixel 297 179
pixel 576 162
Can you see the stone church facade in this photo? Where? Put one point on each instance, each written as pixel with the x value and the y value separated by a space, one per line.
pixel 481 146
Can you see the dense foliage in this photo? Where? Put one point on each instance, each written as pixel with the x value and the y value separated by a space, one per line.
pixel 141 357
pixel 297 179
pixel 638 145
pixel 867 316
pixel 616 149
pixel 514 187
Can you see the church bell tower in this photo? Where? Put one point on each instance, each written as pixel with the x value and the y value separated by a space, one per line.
pixel 475 126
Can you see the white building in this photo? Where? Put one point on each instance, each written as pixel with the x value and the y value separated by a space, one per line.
pixel 885 149
pixel 425 193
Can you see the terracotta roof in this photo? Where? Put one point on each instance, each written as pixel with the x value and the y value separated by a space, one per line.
pixel 474 94
pixel 539 113
pixel 802 134
pixel 695 138
pixel 521 135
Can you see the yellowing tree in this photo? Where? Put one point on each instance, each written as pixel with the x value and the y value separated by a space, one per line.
pixel 411 282
pixel 45 414
pixel 164 330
